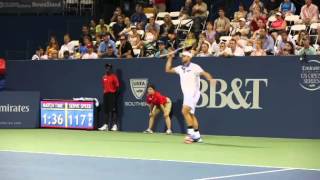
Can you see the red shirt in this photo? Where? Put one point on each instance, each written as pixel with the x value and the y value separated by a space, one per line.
pixel 2 66
pixel 156 99
pixel 110 83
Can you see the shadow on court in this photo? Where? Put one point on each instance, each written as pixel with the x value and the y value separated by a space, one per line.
pixel 45 166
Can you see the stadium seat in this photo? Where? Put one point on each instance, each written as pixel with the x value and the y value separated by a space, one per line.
pixel 87 5
pixel 161 15
pixel 175 14
pixel 297 27
pixel 70 6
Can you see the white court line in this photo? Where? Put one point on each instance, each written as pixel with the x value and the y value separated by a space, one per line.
pixel 245 174
pixel 151 159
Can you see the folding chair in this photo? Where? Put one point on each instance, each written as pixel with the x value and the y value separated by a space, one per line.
pixel 297 28
pixel 184 28
pixel 161 15
pixel 86 5
pixel 174 15
pixel 225 38
pixel 71 6
pixel 159 22
pixel 312 31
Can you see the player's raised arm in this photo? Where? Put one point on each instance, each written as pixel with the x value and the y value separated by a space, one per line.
pixel 169 68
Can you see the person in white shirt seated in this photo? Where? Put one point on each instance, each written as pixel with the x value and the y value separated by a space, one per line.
pixel 67 46
pixel 39 53
pixel 235 49
pixel 223 51
pixel 205 50
pixel 90 54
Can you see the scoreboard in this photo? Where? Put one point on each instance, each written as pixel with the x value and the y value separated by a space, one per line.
pixel 67 114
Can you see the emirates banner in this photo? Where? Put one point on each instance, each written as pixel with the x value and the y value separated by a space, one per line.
pixel 31 6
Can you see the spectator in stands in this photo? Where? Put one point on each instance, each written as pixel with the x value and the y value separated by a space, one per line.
pixel 307 48
pixel 53 54
pixel 151 35
pixel 102 50
pixel 116 13
pixel 172 41
pixel 66 55
pixel 166 26
pixel 205 50
pixel 272 6
pixel 39 53
pixel 118 27
pixel 241 13
pixel 287 50
pixel 223 51
pixel 83 44
pixel 284 40
pixel 287 7
pixel 85 30
pixel 125 49
pixel 221 25
pixel 53 44
pixel 152 22
pixel 98 41
pixel 139 17
pixel 100 25
pixel 258 51
pixel 127 28
pixel 299 41
pixel 92 29
pixel 186 10
pixel 67 46
pixel 254 17
pixel 243 29
pixel 202 38
pixel 90 54
pixel 135 38
pixel 261 25
pixel 235 49
pixel 190 40
pixel 277 25
pixel 268 42
pixel 159 5
pixel 199 15
pixel 309 12
pixel 210 33
pixel 162 49
pixel 256 4
pixel 110 52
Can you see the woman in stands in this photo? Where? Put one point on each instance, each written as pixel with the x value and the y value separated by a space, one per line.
pixel 258 51
pixel 53 44
pixel 157 103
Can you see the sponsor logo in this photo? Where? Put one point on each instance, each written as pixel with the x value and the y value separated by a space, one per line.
pixel 239 94
pixel 138 87
pixel 14 108
pixel 310 75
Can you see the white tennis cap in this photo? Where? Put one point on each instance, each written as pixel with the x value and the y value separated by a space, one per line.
pixel 187 53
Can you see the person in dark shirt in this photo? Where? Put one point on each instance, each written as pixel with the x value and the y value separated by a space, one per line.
pixel 110 52
pixel 272 6
pixel 125 49
pixel 172 41
pixel 139 16
pixel 118 27
pixel 111 85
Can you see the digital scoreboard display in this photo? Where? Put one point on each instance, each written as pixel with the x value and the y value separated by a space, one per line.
pixel 67 114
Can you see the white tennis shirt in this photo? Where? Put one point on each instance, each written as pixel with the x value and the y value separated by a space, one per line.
pixel 189 78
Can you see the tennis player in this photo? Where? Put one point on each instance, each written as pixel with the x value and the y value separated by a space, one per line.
pixel 157 103
pixel 190 85
pixel 110 83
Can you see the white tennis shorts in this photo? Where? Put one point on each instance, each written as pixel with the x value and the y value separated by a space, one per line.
pixel 191 100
